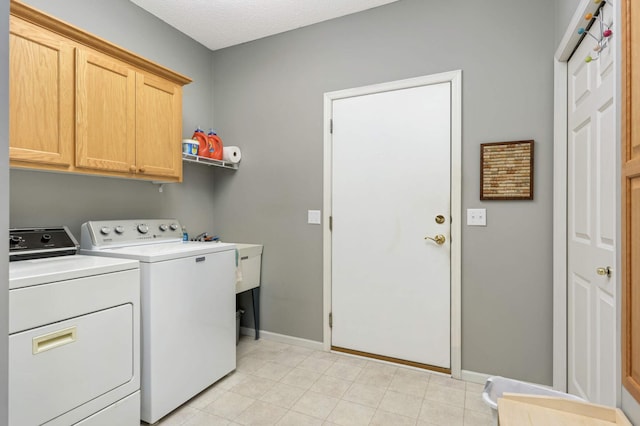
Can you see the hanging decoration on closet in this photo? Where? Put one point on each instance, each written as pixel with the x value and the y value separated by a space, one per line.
pixel 600 27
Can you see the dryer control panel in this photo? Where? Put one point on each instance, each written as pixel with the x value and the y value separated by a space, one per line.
pixel 36 243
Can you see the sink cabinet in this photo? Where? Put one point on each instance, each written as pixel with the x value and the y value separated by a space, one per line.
pixel 81 104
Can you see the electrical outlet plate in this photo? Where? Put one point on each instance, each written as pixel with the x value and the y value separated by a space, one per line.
pixel 476 217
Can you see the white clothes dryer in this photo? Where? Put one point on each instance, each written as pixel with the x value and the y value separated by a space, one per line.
pixel 74 333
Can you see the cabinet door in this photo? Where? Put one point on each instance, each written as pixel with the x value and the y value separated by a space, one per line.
pixel 40 95
pixel 105 103
pixel 158 127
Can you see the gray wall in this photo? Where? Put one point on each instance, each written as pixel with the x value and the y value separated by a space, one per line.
pixel 269 100
pixel 4 209
pixel 39 198
pixel 564 10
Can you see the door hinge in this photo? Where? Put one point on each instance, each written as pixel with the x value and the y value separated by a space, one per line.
pixel 331 125
pixel 330 223
pixel 330 319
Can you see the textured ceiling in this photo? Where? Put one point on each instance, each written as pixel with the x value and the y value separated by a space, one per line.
pixel 222 23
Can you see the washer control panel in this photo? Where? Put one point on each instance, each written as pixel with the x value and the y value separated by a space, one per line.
pixel 118 233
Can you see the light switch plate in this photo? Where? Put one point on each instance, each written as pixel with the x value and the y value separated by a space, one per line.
pixel 313 217
pixel 477 217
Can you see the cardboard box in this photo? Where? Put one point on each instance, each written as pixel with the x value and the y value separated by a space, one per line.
pixel 523 410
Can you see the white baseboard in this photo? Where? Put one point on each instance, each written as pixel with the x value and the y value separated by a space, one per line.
pixel 474 377
pixel 282 338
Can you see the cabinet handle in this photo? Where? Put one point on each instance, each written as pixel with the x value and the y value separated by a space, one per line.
pixel 142 170
pixel 53 340
pixel 132 168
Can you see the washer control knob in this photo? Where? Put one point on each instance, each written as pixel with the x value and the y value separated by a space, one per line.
pixel 45 238
pixel 105 230
pixel 163 227
pixel 14 239
pixel 143 229
pixel 173 226
pixel 119 229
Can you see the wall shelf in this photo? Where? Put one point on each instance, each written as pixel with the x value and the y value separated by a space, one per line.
pixel 209 161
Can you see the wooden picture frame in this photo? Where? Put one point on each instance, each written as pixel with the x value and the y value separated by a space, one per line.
pixel 506 170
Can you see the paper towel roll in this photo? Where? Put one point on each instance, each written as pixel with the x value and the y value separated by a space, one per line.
pixel 231 154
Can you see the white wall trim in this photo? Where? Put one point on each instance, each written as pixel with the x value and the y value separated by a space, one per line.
pixel 560 227
pixel 474 377
pixel 481 378
pixel 455 78
pixel 619 135
pixel 283 338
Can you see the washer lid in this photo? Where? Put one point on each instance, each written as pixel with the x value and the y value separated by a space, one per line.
pixel 149 253
pixel 53 269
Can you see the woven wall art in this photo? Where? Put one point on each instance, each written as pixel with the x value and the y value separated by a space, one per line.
pixel 506 170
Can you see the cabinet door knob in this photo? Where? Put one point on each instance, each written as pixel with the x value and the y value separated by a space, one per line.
pixel 132 168
pixel 142 170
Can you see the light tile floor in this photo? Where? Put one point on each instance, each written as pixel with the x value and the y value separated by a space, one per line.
pixel 280 384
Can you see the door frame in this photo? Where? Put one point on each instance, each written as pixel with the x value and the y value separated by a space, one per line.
pixel 566 47
pixel 455 79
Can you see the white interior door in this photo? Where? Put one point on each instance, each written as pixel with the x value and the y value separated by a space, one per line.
pixel 390 291
pixel 591 241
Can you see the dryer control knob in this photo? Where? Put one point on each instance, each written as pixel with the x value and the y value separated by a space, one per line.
pixel 119 229
pixel 143 229
pixel 163 227
pixel 105 230
pixel 173 226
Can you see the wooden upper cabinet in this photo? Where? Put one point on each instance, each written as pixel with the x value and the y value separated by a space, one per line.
pixel 106 114
pixel 126 121
pixel 159 109
pixel 79 103
pixel 40 95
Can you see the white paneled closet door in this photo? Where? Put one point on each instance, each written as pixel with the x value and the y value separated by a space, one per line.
pixel 591 239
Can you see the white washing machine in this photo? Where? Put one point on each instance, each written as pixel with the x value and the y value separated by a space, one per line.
pixel 74 333
pixel 188 306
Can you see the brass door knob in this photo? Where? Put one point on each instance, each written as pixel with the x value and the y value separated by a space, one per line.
pixel 604 271
pixel 438 239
